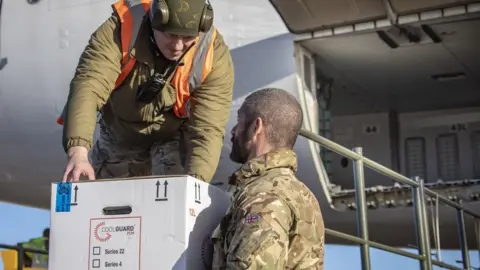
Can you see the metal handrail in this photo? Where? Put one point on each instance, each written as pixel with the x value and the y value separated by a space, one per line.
pixel 386 248
pixel 379 168
pixel 418 194
pixel 20 253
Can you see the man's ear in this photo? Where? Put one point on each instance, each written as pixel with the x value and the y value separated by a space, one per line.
pixel 258 126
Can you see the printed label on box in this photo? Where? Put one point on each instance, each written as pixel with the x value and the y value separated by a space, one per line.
pixel 115 243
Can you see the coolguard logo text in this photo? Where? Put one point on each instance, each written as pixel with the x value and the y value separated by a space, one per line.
pixel 103 233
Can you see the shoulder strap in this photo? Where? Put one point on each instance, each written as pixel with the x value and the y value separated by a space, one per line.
pixel 201 67
pixel 131 14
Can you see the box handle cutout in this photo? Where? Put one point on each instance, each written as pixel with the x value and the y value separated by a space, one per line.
pixel 117 210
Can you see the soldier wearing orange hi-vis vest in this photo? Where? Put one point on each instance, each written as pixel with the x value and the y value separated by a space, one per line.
pixel 161 77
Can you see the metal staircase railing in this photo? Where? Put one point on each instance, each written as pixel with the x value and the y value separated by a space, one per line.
pixel 20 263
pixel 418 194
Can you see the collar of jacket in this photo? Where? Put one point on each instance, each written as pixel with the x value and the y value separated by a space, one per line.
pixel 282 158
pixel 142 50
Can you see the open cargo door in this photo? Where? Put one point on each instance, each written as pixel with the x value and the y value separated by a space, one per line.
pixel 309 89
pixel 308 85
pixel 305 16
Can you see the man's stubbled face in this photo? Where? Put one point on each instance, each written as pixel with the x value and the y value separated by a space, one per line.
pixel 241 140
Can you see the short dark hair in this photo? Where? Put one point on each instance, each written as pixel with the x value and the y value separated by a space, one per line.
pixel 280 112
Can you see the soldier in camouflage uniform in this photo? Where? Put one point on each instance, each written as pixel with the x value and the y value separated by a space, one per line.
pixel 144 138
pixel 274 220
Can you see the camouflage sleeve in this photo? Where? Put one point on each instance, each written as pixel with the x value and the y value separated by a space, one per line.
pixel 260 240
pixel 210 113
pixel 95 76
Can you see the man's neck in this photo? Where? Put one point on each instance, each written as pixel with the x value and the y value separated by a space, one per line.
pixel 260 151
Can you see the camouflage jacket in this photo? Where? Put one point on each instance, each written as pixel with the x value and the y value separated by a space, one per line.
pixel 274 220
pixel 94 80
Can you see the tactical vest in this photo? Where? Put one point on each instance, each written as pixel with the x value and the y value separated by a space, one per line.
pixel 198 61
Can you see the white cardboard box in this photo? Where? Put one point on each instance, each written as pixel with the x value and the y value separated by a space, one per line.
pixel 168 224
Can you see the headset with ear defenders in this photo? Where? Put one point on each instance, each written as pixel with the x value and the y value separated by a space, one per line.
pixel 160 15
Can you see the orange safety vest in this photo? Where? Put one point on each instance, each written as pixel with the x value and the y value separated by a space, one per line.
pixel 198 61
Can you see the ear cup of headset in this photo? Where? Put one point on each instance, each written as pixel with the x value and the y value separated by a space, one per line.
pixel 206 21
pixel 160 14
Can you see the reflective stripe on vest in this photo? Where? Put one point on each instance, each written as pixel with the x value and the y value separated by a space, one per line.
pixel 198 62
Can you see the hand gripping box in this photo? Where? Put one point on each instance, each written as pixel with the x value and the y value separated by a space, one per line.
pixel 134 224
